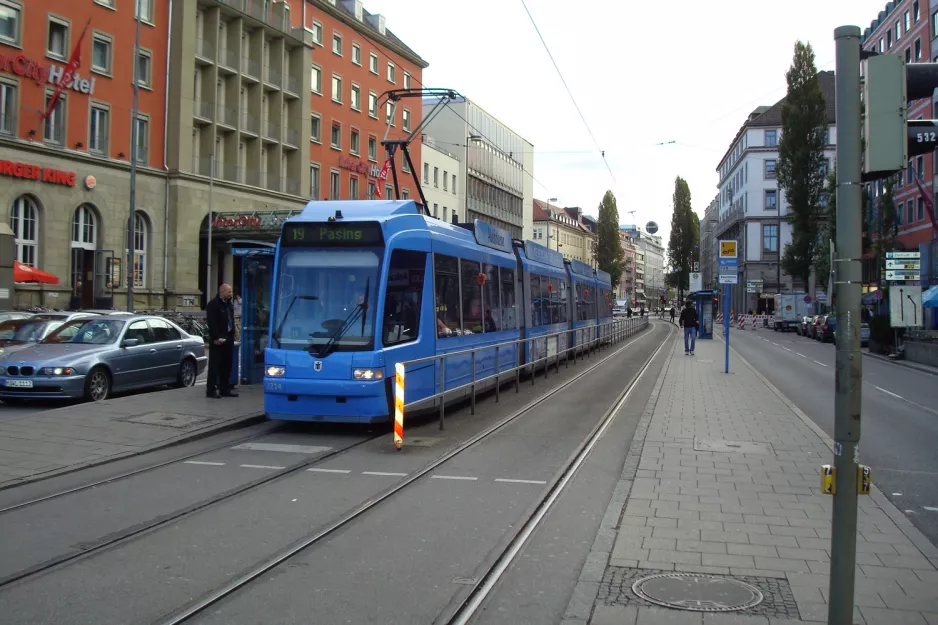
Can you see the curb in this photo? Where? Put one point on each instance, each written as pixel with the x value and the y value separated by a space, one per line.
pixel 580 607
pixel 241 422
pixel 927 549
pixel 903 363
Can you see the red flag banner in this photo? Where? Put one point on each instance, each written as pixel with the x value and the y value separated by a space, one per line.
pixel 73 63
pixel 929 205
pixel 382 177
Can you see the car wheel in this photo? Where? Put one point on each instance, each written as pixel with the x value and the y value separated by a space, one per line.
pixel 98 385
pixel 187 373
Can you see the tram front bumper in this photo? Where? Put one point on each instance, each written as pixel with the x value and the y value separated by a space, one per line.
pixel 326 401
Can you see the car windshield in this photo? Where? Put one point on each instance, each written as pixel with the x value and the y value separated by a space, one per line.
pixel 87 332
pixel 23 330
pixel 319 291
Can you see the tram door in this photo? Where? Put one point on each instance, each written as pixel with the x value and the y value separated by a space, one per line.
pixel 256 281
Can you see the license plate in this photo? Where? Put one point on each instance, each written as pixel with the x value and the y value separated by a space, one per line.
pixel 19 383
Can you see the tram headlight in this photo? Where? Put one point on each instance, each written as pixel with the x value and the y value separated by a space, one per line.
pixel 276 372
pixel 368 374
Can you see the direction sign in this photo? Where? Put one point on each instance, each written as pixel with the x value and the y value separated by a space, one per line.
pixel 728 262
pixel 903 255
pixel 903 264
pixel 727 249
pixel 905 306
pixel 902 274
pixel 729 278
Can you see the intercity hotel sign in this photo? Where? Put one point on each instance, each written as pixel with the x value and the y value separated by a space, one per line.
pixel 22 65
pixel 26 171
pixel 359 167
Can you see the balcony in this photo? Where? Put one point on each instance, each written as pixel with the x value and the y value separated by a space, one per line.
pixel 291 85
pixel 251 68
pixel 250 123
pixel 7 124
pixel 270 15
pixel 202 165
pixel 203 109
pixel 226 116
pixel 274 183
pixel 293 186
pixel 204 51
pixel 272 132
pixel 293 137
pixel 228 60
pixel 252 177
pixel 273 77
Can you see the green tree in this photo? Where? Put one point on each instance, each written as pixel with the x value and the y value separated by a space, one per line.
pixel 609 253
pixel 827 232
pixel 685 236
pixel 801 159
pixel 886 226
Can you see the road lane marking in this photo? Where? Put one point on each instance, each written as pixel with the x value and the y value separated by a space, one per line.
pixel 786 349
pixel 453 477
pixel 800 354
pixel 260 466
pixel 820 363
pixel 291 449
pixel 773 343
pixel 879 388
pixel 208 464
pixel 319 470
pixel 930 509
pixel 384 474
pixel 509 481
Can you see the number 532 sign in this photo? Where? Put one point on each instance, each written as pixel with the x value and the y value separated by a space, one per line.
pixel 922 136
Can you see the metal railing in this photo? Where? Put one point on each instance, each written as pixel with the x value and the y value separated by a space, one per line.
pixel 587 339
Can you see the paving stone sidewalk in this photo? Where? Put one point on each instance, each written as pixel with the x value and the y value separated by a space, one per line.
pixel 751 511
pixel 52 442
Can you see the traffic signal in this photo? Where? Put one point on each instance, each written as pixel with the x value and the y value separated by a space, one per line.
pixel 891 139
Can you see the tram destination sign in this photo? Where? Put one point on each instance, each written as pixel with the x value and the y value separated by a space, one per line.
pixel 332 234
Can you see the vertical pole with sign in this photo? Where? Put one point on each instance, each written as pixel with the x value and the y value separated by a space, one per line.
pixel 729 275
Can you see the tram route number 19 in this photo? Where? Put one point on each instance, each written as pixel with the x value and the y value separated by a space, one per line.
pixel 926 137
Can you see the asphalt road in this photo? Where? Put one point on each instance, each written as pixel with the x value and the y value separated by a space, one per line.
pixel 899 437
pixel 400 563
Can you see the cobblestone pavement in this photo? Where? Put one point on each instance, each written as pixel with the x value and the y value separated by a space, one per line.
pixel 722 479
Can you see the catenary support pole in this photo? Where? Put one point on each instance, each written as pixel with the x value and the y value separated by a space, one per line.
pixel 134 141
pixel 848 370
pixel 726 327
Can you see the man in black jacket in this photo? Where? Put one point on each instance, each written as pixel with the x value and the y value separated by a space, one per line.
pixel 219 314
pixel 688 321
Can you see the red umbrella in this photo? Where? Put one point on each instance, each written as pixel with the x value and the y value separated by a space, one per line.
pixel 24 273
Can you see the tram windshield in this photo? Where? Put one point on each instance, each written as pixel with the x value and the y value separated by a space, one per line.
pixel 326 300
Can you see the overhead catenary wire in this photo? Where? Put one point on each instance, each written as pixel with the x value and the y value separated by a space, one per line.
pixel 602 152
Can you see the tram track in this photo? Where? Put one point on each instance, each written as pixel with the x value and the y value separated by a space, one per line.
pixel 249 575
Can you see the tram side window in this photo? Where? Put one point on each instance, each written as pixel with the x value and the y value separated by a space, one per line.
pixel 471 297
pixel 581 306
pixel 553 295
pixel 509 320
pixel 403 298
pixel 492 309
pixel 447 296
pixel 563 301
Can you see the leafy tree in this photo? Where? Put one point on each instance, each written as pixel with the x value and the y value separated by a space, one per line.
pixel 827 232
pixel 885 226
pixel 801 159
pixel 685 237
pixel 610 255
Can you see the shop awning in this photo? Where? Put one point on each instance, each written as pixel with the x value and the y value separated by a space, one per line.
pixel 25 273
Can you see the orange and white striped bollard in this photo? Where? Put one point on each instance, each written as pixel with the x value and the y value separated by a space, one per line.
pixel 399 406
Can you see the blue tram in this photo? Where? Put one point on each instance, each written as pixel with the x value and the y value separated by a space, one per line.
pixel 362 285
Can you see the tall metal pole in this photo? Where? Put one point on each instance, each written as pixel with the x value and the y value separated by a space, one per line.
pixel 131 220
pixel 208 249
pixel 848 372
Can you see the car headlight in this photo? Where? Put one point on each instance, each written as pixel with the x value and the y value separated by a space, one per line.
pixel 368 374
pixel 276 372
pixel 53 371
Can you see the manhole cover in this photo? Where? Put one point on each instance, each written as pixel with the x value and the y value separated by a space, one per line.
pixel 730 447
pixel 167 419
pixel 699 593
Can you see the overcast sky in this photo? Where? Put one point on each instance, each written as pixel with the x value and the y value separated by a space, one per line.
pixel 641 72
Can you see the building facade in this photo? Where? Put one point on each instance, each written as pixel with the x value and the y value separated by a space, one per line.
pixel 709 266
pixel 627 279
pixel 440 180
pixel 499 186
pixel 753 208
pixel 246 108
pixel 562 229
pixel 650 265
pixel 909 28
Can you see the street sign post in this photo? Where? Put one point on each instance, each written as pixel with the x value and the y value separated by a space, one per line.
pixel 905 306
pixel 728 276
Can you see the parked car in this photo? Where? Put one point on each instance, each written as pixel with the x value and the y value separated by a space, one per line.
pixel 8 315
pixel 827 329
pixel 92 357
pixel 802 328
pixel 18 334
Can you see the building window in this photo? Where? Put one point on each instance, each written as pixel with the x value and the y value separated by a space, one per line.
pixel 373 104
pixel 356 54
pixel 315 81
pixel 10 23
pixel 141 234
pixel 436 210
pixel 406 80
pixel 84 228
pixel 920 167
pixel 405 120
pixel 145 10
pixel 373 63
pixel 314 182
pixel 336 139
pixel 24 221
pixel 315 128
pixel 58 39
pixel 405 194
pixel 445 180
pixel 827 136
pixel 771 200
pixel 8 108
pixel 907 24
pixel 353 188
pixel 355 142
pixel 389 112
pixel 404 166
pixel 54 127
pixel 769 169
pixel 436 177
pixel 336 89
pixel 337 44
pixel 916 12
pixel 356 102
pixel 889 38
pixel 388 191
pixel 910 210
pixel 372 149
pixel 934 26
pixel 771 138
pixel 143 140
pixel 454 184
pixel 392 72
pixel 372 191
pixel 921 209
pixel 770 238
pixel 101 54
pixel 144 69
pixel 426 173
pixel 98 131
pixel 918 50
pixel 316 32
pixel 908 55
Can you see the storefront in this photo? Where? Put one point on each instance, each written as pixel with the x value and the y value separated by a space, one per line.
pixel 242 255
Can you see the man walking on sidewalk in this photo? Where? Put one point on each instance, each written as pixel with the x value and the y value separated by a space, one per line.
pixel 689 323
pixel 672 314
pixel 219 313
